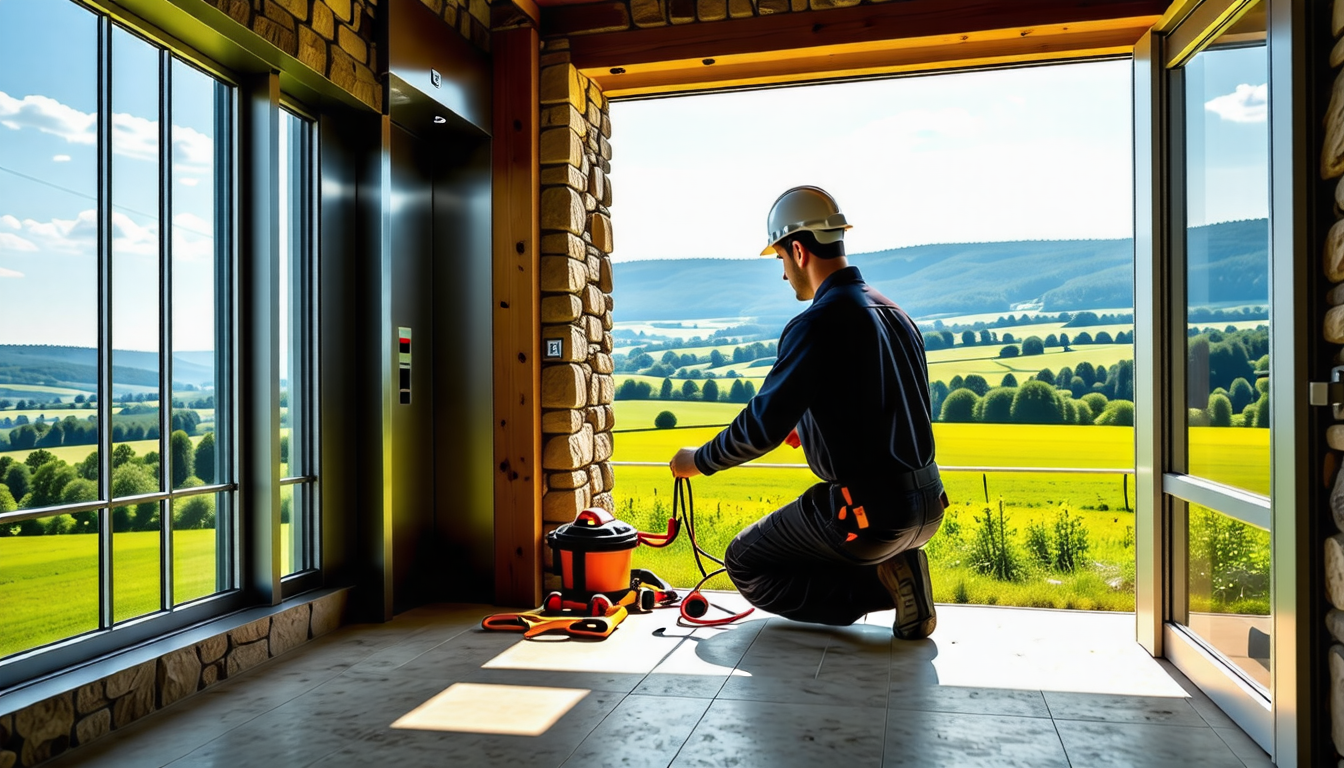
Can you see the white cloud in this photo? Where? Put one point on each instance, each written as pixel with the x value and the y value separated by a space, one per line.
pixel 9 273
pixel 10 221
pixel 80 235
pixel 1247 104
pixel 134 137
pixel 60 159
pixel 188 181
pixel 10 242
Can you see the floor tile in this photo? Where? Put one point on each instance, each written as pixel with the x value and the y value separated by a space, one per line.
pixel 643 731
pixel 936 739
pixel 1244 747
pixel 968 700
pixel 1106 708
pixel 1137 745
pixel 776 735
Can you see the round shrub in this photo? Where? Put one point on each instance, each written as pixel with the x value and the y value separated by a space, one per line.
pixel 1035 403
pixel 959 406
pixel 665 420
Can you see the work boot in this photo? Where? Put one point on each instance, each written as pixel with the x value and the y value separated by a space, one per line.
pixel 906 578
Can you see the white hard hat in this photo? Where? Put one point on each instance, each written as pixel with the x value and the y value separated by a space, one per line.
pixel 804 208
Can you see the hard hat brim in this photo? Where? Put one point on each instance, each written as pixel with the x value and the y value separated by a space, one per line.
pixel 824 234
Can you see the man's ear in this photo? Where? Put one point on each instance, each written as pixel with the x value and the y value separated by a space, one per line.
pixel 800 254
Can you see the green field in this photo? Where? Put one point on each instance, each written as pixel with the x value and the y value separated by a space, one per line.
pixel 49 584
pixel 945 364
pixel 728 501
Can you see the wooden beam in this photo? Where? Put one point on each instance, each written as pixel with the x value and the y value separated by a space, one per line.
pixel 904 19
pixel 969 49
pixel 517 317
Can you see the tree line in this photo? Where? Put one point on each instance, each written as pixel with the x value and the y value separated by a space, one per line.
pixel 741 391
pixel 142 425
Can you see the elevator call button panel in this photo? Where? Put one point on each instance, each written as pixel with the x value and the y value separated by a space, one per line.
pixel 404 364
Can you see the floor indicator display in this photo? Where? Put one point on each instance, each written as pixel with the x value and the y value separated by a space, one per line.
pixel 404 364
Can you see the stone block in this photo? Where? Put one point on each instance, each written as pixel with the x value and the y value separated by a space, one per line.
pixel 573 342
pixel 561 84
pixel 604 149
pixel 1333 261
pixel 711 10
pixel 564 506
pixel 600 227
pixel 563 275
pixel 276 34
pixel 1336 655
pixel 606 125
pixel 8 759
pixel 602 446
pixel 566 175
pixel 46 721
pixel 1337 53
pixel 594 327
pixel 1337 495
pixel 34 752
pixel 605 389
pixel 299 8
pixel 1334 621
pixel 593 301
pixel 608 343
pixel 768 7
pixel 179 675
pixel 117 685
pixel 88 698
pixel 212 673
pixel 589 202
pixel 566 481
pixel 551 59
pixel 568 452
pixel 602 363
pixel 593 116
pixel 740 9
pixel 479 10
pixel 312 50
pixel 94 726
pixel 324 22
pixel 1336 296
pixel 328 613
pixel 248 633
pixel 213 650
pixel 238 10
pixel 6 728
pixel 608 474
pixel 138 701
pixel 562 209
pixel 564 308
pixel 594 480
pixel 289 629
pixel 594 416
pixel 563 244
pixel 1336 27
pixel 648 13
pixel 607 321
pixel 604 501
pixel 596 182
pixel 245 657
pixel 594 262
pixel 565 421
pixel 561 145
pixel 563 386
pixel 1334 325
pixel 275 11
pixel 605 282
pixel 352 43
pixel 1332 151
pixel 564 116
pixel 1334 570
pixel 341 8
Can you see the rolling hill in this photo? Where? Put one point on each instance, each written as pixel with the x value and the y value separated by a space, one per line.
pixel 949 279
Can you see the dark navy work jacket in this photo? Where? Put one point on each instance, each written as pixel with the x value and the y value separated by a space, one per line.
pixel 851 376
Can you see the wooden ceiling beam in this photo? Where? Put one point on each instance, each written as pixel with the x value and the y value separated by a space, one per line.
pixel 902 19
pixel 962 50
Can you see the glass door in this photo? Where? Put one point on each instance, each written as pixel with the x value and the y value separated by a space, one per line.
pixel 1216 479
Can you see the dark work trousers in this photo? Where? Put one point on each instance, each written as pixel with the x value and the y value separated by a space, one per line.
pixel 801 561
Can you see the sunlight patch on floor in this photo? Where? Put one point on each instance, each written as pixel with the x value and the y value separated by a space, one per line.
pixel 516 710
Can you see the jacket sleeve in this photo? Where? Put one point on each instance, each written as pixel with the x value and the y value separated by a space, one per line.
pixel 785 395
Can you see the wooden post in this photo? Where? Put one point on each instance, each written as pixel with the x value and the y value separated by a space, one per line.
pixel 517 326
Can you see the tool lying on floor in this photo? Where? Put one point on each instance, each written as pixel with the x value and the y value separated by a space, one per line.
pixel 695 606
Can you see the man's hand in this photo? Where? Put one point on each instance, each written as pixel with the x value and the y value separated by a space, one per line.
pixel 683 464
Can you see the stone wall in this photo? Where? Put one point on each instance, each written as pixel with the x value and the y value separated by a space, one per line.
pixel 577 388
pixel 74 718
pixel 1332 167
pixel 624 15
pixel 338 38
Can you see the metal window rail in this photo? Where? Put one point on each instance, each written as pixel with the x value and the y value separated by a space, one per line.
pixel 20 515
pixel 941 468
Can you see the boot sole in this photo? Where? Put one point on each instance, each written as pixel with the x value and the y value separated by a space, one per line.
pixel 916 617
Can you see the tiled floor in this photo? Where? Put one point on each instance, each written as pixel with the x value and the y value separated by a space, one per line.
pixel 994 687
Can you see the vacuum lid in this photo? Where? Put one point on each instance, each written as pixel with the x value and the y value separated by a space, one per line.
pixel 595 530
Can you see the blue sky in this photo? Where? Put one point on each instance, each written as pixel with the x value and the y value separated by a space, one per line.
pixel 48 177
pixel 1033 153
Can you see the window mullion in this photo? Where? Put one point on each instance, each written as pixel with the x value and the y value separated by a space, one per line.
pixel 104 388
pixel 165 324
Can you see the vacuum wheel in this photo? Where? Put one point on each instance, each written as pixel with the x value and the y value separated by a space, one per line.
pixel 553 603
pixel 599 605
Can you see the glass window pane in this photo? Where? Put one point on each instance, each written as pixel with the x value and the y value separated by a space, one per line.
pixel 48 250
pixel 1227 266
pixel 137 573
pixel 296 340
pixel 48 580
pixel 197 568
pixel 199 199
pixel 1228 578
pixel 135 264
